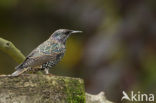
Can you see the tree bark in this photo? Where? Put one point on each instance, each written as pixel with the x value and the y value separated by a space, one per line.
pixel 41 89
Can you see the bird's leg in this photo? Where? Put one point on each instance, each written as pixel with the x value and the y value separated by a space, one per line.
pixel 46 71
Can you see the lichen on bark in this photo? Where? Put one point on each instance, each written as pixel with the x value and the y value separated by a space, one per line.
pixel 41 89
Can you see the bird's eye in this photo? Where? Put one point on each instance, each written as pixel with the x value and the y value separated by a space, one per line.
pixel 67 32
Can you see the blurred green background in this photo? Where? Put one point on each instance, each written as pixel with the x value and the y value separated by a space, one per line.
pixel 115 52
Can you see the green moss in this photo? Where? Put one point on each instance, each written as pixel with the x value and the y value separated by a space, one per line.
pixel 75 93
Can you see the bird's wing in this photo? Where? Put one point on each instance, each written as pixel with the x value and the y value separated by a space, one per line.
pixel 42 54
pixel 33 60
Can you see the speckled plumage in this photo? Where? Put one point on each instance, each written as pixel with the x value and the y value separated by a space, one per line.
pixel 47 54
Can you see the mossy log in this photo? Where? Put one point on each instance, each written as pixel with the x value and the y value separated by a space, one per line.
pixel 41 89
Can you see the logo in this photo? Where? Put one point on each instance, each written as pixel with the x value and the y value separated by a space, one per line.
pixel 137 96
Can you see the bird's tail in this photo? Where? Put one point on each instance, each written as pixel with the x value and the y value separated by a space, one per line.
pixel 19 71
pixel 19 67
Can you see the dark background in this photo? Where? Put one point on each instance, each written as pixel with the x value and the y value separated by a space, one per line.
pixel 115 52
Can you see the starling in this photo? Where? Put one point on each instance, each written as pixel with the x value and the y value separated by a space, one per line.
pixel 47 54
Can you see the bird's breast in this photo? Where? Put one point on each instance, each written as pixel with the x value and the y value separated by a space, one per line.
pixel 50 48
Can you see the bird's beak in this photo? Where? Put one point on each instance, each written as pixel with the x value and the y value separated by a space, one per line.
pixel 74 31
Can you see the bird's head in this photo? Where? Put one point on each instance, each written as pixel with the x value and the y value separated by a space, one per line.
pixel 63 34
